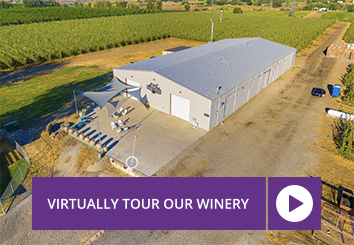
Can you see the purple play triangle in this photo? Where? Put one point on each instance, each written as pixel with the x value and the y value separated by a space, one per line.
pixel 294 203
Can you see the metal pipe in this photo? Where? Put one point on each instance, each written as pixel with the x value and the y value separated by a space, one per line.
pixel 99 134
pixel 77 113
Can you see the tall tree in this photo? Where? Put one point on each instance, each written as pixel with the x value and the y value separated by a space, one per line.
pixel 159 5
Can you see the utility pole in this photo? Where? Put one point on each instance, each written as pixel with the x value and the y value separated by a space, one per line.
pixel 212 29
pixel 292 9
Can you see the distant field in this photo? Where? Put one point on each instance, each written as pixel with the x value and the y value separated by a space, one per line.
pixel 33 43
pixel 339 15
pixel 349 34
pixel 276 13
pixel 45 14
pixel 343 17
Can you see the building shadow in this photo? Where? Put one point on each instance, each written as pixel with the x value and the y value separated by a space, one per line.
pixel 56 103
pixel 330 88
pixel 335 193
pixel 325 51
pixel 111 146
pixel 107 141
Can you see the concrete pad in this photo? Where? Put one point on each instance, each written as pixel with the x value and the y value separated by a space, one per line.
pixel 160 137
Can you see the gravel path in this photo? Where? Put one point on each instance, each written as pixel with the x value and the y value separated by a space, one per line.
pixel 180 237
pixel 16 228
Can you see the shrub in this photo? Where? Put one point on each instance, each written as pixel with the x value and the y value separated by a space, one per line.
pixel 277 3
pixel 237 10
pixel 346 149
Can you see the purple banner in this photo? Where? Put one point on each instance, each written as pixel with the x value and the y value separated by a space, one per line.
pixel 226 203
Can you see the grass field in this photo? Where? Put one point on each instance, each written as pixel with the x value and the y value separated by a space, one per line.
pixel 343 17
pixel 10 161
pixel 339 15
pixel 45 14
pixel 39 97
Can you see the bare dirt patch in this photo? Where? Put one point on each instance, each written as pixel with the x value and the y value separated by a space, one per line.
pixel 314 15
pixel 132 53
pixel 86 157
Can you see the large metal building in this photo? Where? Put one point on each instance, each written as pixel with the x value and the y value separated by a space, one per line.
pixel 205 84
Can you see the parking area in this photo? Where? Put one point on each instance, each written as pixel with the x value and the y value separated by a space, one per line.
pixel 160 137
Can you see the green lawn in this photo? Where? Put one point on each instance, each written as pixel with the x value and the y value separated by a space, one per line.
pixel 339 15
pixel 8 171
pixel 39 97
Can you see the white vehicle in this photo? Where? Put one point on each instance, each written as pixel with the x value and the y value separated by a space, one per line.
pixel 323 10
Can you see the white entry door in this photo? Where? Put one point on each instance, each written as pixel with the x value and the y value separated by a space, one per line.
pixel 180 107
pixel 134 93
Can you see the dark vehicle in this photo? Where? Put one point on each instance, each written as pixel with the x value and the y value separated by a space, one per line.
pixel 318 92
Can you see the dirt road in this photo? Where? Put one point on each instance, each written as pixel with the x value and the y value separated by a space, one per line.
pixel 274 134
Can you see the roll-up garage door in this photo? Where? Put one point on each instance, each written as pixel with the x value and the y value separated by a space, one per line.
pixel 180 107
pixel 242 95
pixel 229 104
pixel 266 78
pixel 134 93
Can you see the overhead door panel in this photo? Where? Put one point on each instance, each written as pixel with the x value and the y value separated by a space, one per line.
pixel 134 93
pixel 180 107
pixel 229 104
pixel 242 95
pixel 266 78
pixel 255 86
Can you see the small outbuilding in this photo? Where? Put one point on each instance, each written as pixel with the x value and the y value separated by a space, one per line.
pixel 174 50
pixel 205 84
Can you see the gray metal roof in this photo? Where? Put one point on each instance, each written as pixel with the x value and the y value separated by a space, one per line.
pixel 225 63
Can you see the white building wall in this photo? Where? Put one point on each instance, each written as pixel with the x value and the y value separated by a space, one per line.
pixel 246 90
pixel 207 113
pixel 199 105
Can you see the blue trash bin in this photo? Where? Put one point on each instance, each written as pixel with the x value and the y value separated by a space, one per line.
pixel 336 90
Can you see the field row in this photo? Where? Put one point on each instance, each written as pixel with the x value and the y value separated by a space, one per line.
pixel 24 44
pixel 349 34
pixel 32 15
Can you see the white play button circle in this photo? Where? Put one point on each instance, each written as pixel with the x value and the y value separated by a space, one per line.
pixel 294 203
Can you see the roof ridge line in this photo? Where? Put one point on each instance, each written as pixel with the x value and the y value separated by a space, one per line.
pixel 194 57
